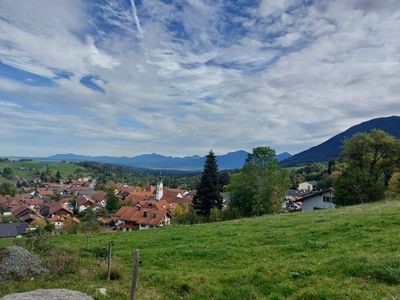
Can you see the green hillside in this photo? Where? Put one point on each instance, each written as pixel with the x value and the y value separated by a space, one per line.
pixel 347 253
pixel 31 169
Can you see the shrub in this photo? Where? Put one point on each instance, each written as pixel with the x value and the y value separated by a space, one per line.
pixel 100 252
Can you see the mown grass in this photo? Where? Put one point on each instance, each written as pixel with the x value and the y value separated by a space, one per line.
pixel 347 253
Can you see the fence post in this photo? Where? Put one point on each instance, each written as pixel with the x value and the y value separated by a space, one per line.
pixel 87 242
pixel 135 271
pixel 109 262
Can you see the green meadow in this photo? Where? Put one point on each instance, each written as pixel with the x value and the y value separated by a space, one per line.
pixel 29 169
pixel 347 253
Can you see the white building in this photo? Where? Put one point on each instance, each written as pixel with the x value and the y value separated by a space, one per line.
pixel 318 200
pixel 306 186
pixel 160 190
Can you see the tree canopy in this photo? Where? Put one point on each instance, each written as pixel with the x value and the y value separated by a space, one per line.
pixel 370 160
pixel 260 185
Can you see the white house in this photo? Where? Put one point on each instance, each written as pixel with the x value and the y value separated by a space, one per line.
pixel 318 200
pixel 306 186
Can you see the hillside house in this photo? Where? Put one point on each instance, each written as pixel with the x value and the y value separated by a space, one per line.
pixel 83 203
pixel 318 200
pixel 26 213
pixel 137 217
pixel 59 222
pixel 306 186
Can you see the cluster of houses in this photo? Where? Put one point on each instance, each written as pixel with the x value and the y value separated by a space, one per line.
pixel 306 198
pixel 141 208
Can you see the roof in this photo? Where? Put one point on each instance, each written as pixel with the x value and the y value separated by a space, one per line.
pixel 58 206
pixel 297 193
pixel 99 196
pixel 12 229
pixel 63 219
pixel 140 196
pixel 145 216
pixel 22 210
pixel 316 193
pixel 83 200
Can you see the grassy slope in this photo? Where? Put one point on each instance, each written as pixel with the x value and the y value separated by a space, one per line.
pixel 338 254
pixel 65 168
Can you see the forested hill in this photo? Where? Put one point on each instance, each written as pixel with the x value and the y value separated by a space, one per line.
pixel 331 148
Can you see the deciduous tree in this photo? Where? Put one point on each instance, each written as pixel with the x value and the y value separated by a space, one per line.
pixel 260 185
pixel 369 159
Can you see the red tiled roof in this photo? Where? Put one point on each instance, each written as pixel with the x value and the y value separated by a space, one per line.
pixel 59 206
pixel 145 216
pixel 99 196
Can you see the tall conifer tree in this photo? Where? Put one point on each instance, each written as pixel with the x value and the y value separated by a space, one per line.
pixel 208 195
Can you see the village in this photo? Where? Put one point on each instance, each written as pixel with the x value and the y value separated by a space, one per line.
pixel 155 206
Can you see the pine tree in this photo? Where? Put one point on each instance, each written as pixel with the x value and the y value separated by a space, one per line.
pixel 58 176
pixel 208 195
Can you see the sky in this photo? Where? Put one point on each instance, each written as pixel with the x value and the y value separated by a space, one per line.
pixel 125 77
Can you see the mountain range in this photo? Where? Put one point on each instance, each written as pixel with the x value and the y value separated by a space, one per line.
pixel 331 149
pixel 324 152
pixel 231 160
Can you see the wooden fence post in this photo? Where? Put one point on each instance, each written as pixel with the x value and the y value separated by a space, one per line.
pixel 109 262
pixel 87 242
pixel 135 271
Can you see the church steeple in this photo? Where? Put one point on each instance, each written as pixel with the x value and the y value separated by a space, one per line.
pixel 160 189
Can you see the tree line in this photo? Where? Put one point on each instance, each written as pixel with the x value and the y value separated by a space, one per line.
pixel 368 170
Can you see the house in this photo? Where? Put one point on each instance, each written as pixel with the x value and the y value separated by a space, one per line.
pixel 12 230
pixel 107 222
pixel 307 185
pixel 318 200
pixel 99 198
pixel 60 221
pixel 26 213
pixel 138 217
pixel 83 203
pixel 59 209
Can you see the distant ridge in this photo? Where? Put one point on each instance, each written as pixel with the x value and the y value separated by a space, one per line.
pixel 231 160
pixel 331 149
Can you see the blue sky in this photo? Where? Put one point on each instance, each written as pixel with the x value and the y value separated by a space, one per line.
pixel 181 77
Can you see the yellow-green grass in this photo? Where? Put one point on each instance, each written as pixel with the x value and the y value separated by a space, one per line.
pixel 347 253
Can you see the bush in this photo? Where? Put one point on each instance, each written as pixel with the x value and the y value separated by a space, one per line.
pixel 100 252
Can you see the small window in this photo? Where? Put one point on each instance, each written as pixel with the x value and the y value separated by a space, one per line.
pixel 327 199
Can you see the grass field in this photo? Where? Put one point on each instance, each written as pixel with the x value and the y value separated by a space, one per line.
pixel 347 253
pixel 27 169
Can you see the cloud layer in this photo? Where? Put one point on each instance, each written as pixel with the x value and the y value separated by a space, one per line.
pixel 181 77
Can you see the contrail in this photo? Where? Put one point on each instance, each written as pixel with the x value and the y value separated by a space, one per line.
pixel 136 18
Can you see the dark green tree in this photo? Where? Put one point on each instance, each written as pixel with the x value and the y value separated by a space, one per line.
pixel 260 186
pixel 112 202
pixel 58 176
pixel 8 173
pixel 370 159
pixel 7 188
pixel 208 190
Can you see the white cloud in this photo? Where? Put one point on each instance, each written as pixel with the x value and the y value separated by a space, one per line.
pixel 286 78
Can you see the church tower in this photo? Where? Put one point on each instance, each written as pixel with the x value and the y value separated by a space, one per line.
pixel 160 190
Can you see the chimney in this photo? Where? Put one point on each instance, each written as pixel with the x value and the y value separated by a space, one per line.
pixel 154 215
pixel 145 213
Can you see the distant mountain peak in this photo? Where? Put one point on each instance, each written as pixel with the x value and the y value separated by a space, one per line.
pixel 330 149
pixel 231 160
